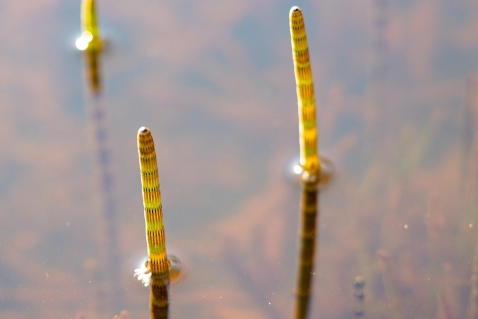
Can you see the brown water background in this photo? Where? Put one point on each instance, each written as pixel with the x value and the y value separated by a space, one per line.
pixel 213 80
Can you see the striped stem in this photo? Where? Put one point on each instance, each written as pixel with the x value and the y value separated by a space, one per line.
pixel 158 263
pixel 309 213
pixel 159 301
pixel 309 159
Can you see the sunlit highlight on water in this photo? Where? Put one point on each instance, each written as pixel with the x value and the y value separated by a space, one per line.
pixel 298 169
pixel 141 272
pixel 84 40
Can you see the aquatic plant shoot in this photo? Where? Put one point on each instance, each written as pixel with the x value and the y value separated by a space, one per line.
pixel 309 158
pixel 157 264
pixel 90 43
pixel 309 169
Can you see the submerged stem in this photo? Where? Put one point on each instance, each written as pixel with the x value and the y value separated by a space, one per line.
pixel 308 233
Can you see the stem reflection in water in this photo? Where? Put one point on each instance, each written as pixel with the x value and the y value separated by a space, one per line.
pixel 309 211
pixel 91 45
pixel 359 282
pixel 159 302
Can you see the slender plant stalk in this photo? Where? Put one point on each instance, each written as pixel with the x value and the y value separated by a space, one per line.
pixel 89 20
pixel 309 159
pixel 158 266
pixel 159 301
pixel 309 209
pixel 158 263
pixel 90 31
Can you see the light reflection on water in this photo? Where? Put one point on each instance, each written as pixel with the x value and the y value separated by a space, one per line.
pixel 227 123
pixel 83 41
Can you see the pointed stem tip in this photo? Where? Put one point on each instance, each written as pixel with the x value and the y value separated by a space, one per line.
pixel 143 130
pixel 295 11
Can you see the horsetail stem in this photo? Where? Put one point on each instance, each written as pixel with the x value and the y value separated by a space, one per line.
pixel 158 263
pixel 91 36
pixel 309 158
